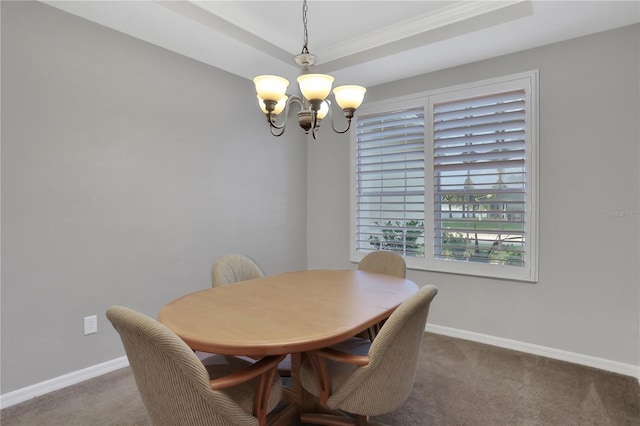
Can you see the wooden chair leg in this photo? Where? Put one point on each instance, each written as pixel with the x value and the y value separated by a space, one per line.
pixel 338 419
pixel 262 396
pixel 332 420
pixel 361 421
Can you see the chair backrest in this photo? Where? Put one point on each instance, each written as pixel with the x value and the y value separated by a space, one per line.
pixel 385 383
pixel 232 268
pixel 384 262
pixel 173 383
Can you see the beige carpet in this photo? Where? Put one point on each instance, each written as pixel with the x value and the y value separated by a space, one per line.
pixel 459 383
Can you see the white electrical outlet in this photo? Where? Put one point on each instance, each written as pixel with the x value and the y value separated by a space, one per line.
pixel 90 325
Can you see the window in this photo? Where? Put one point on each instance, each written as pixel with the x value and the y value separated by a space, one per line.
pixel 390 179
pixel 448 179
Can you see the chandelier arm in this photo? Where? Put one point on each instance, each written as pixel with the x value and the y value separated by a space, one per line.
pixel 285 112
pixel 273 133
pixel 342 131
pixel 315 123
pixel 271 119
pixel 333 125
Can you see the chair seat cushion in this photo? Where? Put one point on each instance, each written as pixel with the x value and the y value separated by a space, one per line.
pixel 243 394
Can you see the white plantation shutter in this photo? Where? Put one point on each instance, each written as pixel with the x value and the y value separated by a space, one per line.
pixel 390 182
pixel 479 178
pixel 448 179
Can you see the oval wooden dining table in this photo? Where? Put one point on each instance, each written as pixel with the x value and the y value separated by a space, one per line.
pixel 288 313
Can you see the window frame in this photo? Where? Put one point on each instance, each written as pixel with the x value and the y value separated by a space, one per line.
pixel 527 81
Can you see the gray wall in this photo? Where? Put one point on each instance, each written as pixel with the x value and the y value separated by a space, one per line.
pixel 586 300
pixel 126 169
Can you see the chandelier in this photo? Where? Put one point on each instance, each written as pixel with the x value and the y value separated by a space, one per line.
pixel 314 104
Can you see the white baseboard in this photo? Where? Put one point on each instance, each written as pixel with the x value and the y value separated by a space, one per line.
pixel 24 394
pixel 576 358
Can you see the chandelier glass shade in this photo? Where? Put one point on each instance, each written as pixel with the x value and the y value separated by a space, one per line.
pixel 315 88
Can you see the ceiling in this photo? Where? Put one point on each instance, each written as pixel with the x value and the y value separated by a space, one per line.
pixel 358 42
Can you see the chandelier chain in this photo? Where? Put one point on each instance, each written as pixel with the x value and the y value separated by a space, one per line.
pixel 305 49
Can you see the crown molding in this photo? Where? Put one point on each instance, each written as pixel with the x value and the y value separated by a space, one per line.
pixel 442 17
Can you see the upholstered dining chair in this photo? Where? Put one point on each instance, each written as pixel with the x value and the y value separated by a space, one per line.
pixel 179 389
pixel 384 262
pixel 232 268
pixel 359 378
